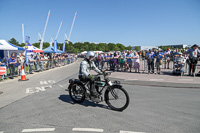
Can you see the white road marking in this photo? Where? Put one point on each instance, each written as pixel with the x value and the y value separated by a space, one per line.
pixel 43 82
pixel 40 89
pixel 38 130
pixel 30 90
pixel 156 79
pixel 129 132
pixel 51 81
pixel 1 131
pixel 37 89
pixel 87 129
pixel 47 82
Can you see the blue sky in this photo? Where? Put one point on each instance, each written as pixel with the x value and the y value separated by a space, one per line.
pixel 130 22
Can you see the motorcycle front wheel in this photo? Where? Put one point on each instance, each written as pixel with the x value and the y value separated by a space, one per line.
pixel 117 98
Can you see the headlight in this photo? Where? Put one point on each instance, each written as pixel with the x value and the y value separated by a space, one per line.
pixel 110 83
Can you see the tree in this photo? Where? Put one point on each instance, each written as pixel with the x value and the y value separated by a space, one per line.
pixel 129 48
pixel 137 48
pixel 120 46
pixel 14 41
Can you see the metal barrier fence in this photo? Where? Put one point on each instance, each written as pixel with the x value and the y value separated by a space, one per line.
pixel 144 66
pixel 36 67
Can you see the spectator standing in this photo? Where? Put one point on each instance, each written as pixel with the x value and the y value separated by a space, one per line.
pixel 159 61
pixel 136 65
pixel 129 58
pixel 31 63
pixel 41 62
pixel 98 61
pixel 116 61
pixel 111 61
pixel 122 60
pixel 11 65
pixel 103 60
pixel 5 60
pixel 37 61
pixel 193 53
pixel 150 60
pixel 19 65
pixel 167 58
pixel 45 61
pixel 107 61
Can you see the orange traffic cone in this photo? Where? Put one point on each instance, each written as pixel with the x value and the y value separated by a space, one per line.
pixel 23 76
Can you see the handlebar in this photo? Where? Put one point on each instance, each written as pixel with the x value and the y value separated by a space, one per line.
pixel 105 73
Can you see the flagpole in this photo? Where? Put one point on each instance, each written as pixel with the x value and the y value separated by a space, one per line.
pixel 58 30
pixel 23 33
pixel 41 43
pixel 72 25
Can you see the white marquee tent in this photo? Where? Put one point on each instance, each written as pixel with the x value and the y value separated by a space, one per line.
pixel 4 45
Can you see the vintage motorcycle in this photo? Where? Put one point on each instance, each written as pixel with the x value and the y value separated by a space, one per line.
pixel 115 96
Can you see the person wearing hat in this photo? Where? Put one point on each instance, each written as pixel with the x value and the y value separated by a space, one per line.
pixel 11 65
pixel 150 60
pixel 193 54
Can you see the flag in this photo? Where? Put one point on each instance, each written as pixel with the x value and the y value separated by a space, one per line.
pixel 55 46
pixel 26 47
pixel 64 47
pixel 27 41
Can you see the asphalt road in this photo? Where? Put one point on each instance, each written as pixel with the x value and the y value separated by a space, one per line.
pixel 30 107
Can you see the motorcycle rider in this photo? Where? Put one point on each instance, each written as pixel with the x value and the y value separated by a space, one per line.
pixel 84 73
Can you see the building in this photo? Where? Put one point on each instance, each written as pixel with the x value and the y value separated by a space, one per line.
pixel 144 47
pixel 177 46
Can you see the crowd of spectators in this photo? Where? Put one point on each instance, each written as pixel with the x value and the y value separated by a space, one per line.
pixel 35 62
pixel 131 60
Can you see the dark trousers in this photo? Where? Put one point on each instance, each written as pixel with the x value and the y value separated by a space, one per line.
pixel 93 91
pixel 151 66
pixel 112 65
pixel 192 66
pixel 12 70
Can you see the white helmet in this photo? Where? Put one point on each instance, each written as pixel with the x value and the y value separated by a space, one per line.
pixel 89 53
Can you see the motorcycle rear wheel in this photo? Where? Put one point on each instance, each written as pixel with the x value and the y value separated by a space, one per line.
pixel 77 93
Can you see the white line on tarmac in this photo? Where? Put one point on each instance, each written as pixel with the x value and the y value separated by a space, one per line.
pixel 38 130
pixel 129 132
pixel 87 129
pixel 156 79
pixel 1 132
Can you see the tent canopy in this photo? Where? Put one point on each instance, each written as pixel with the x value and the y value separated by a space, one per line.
pixel 4 45
pixel 19 48
pixel 50 49
pixel 31 48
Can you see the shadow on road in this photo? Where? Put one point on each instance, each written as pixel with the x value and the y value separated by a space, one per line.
pixel 86 103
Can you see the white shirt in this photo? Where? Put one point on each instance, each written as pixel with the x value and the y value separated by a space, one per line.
pixel 136 59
